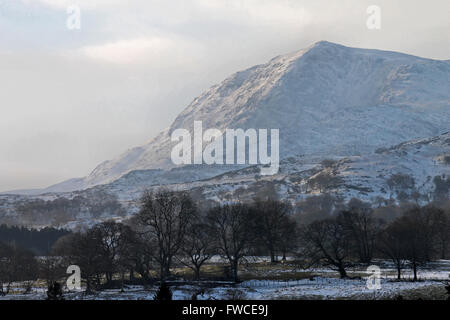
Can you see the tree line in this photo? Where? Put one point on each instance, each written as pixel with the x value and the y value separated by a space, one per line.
pixel 170 231
pixel 39 241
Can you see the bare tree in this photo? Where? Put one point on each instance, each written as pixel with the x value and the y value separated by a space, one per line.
pixel 165 215
pixel 415 237
pixel 272 221
pixel 441 189
pixel 289 240
pixel 16 264
pixel 413 231
pixel 111 238
pixel 324 180
pixel 232 226
pixel 327 242
pixel 328 163
pixel 400 182
pixel 391 244
pixel 441 231
pixel 51 268
pixel 6 253
pixel 316 208
pixel 362 229
pixel 82 249
pixel 198 247
pixel 138 255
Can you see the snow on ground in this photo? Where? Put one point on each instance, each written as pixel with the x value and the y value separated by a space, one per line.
pixel 323 284
pixel 318 288
pixel 327 288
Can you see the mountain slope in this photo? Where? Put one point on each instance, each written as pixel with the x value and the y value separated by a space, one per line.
pixel 327 99
pixel 366 177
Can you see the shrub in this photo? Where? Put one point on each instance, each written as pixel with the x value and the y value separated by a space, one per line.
pixel 164 293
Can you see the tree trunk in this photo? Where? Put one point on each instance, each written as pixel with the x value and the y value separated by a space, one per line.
pixel 166 267
pixel 197 273
pixel 235 271
pixel 166 270
pixel 146 276
pixel 365 258
pixel 283 259
pixel 272 256
pixel 415 270
pixel 122 281
pixel 161 272
pixel 342 272
pixel 88 285
pixel 399 272
pixel 443 247
pixel 131 275
pixel 108 277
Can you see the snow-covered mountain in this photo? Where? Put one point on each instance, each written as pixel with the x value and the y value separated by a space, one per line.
pixel 326 99
pixel 365 177
pixel 376 113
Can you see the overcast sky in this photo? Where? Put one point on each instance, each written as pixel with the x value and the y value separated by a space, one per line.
pixel 70 99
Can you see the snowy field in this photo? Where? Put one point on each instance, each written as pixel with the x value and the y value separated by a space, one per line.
pixel 319 288
pixel 321 284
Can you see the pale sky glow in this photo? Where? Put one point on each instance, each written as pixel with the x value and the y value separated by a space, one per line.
pixel 70 99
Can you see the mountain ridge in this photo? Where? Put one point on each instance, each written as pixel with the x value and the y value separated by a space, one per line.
pixel 326 99
pixel 238 100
